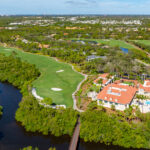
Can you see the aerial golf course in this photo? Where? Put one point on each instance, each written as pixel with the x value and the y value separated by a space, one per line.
pixel 54 75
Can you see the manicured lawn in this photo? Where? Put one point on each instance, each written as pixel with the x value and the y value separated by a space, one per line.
pixel 146 42
pixel 112 43
pixel 115 43
pixel 67 80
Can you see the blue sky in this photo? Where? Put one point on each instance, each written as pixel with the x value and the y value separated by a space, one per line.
pixel 74 7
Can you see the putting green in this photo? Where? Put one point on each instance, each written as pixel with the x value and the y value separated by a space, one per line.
pixel 67 80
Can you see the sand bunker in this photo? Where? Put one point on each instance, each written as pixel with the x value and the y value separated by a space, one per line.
pixel 60 71
pixel 56 89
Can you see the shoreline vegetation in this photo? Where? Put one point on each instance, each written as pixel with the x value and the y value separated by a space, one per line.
pixel 36 148
pixel 96 124
pixel 1 110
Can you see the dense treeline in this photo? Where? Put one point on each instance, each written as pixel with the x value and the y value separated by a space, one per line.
pixel 99 126
pixel 16 72
pixel 45 120
pixel 84 30
pixel 77 53
pixel 1 110
pixel 118 63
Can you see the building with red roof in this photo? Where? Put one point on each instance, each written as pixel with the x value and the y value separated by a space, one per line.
pixel 105 79
pixel 144 88
pixel 119 95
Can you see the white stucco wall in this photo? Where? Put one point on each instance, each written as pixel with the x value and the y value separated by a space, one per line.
pixel 117 106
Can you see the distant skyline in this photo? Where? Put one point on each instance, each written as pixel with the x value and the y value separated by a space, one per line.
pixel 62 7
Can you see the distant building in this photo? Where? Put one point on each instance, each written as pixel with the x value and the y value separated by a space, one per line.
pixel 79 41
pixel 43 46
pixel 145 88
pixel 25 41
pixel 92 57
pixel 122 93
pixel 105 80
pixel 8 28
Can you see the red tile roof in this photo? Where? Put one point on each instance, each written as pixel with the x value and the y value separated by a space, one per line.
pixel 104 81
pixel 145 86
pixel 122 94
pixel 148 84
pixel 118 96
pixel 102 76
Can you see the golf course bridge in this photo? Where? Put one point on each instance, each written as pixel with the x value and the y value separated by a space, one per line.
pixel 75 137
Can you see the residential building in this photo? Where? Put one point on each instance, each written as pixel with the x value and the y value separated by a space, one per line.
pixel 122 93
pixel 119 95
pixel 105 79
pixel 145 88
pixel 92 57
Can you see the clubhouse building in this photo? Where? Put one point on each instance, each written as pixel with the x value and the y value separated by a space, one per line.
pixel 119 95
pixel 122 93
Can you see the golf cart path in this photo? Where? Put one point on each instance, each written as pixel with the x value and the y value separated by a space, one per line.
pixel 78 87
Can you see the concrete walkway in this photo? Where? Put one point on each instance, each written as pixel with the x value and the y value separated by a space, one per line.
pixel 78 87
pixel 74 97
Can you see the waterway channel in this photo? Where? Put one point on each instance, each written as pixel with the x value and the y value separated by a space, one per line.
pixel 13 136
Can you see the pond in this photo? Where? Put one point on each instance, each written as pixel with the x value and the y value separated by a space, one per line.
pixel 147 102
pixel 13 136
pixel 125 50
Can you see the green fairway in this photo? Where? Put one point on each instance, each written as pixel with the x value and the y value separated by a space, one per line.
pixel 50 78
pixel 115 43
pixel 145 42
pixel 112 43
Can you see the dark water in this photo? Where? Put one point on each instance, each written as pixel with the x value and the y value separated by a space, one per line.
pixel 13 136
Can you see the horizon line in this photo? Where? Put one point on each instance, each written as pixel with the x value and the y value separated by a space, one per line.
pixel 74 14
